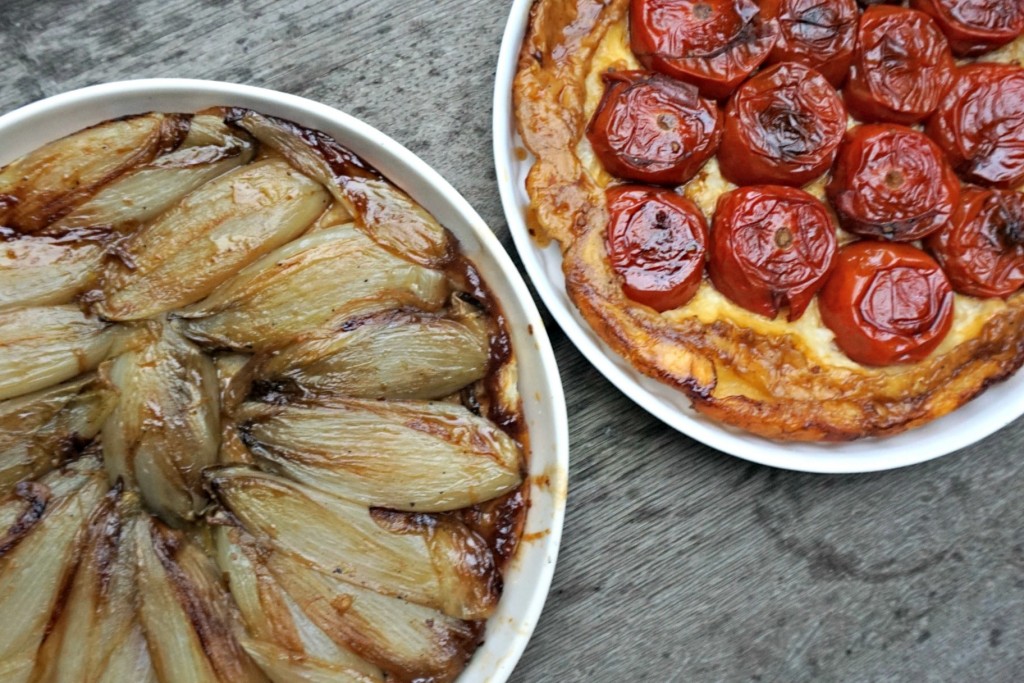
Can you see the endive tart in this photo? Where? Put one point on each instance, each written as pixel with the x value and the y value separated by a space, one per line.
pixel 258 414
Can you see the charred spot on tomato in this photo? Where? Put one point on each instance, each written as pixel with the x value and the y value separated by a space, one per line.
pixel 892 182
pixel 783 126
pixel 653 129
pixel 821 35
pixel 771 247
pixel 980 124
pixel 713 44
pixel 901 68
pixel 974 27
pixel 656 244
pixel 982 248
pixel 886 303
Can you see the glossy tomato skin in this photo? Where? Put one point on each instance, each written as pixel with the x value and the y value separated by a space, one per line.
pixel 714 44
pixel 901 68
pixel 982 248
pixel 653 129
pixel 657 241
pixel 821 35
pixel 974 27
pixel 771 247
pixel 892 182
pixel 782 126
pixel 886 303
pixel 980 124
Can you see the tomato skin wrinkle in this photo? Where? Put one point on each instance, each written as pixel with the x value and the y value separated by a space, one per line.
pixel 982 248
pixel 901 68
pixel 653 129
pixel 783 126
pixel 886 303
pixel 714 44
pixel 974 27
pixel 821 34
pixel 980 124
pixel 656 244
pixel 771 247
pixel 892 182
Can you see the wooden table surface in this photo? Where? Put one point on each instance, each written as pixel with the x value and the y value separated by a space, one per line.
pixel 678 563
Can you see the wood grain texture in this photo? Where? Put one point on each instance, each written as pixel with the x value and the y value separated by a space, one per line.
pixel 678 563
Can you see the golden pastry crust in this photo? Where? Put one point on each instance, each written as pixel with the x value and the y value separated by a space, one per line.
pixel 782 380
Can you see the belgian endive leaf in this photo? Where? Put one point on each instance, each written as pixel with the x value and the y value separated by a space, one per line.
pixel 166 426
pixel 403 455
pixel 432 561
pixel 207 238
pixel 399 354
pixel 130 661
pixel 186 612
pixel 209 150
pixel 37 270
pixel 98 617
pixel 387 214
pixel 46 345
pixel 33 571
pixel 331 275
pixel 51 181
pixel 40 430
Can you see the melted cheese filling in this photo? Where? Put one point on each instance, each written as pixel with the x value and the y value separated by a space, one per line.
pixel 709 305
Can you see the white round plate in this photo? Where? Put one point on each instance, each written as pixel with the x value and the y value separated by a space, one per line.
pixel 528 575
pixel 994 409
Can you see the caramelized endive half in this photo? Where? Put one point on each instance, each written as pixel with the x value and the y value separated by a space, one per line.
pixel 40 430
pixel 383 211
pixel 434 561
pixel 395 355
pixel 332 275
pixel 45 345
pixel 272 616
pixel 36 270
pixel 98 615
pixel 213 233
pixel 46 184
pixel 411 455
pixel 321 620
pixel 166 426
pixel 409 641
pixel 37 555
pixel 186 611
pixel 284 666
pixel 209 150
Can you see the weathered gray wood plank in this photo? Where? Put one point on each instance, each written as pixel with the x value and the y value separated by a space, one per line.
pixel 678 563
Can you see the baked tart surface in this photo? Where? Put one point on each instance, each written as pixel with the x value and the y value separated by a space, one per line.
pixel 780 378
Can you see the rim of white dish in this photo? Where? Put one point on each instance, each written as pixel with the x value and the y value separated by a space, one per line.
pixel 997 407
pixel 529 573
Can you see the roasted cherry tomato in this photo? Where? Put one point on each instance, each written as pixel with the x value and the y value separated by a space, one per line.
pixel 782 126
pixel 819 34
pixel 892 182
pixel 653 129
pixel 901 68
pixel 974 27
pixel 656 243
pixel 714 44
pixel 982 248
pixel 887 303
pixel 980 124
pixel 771 247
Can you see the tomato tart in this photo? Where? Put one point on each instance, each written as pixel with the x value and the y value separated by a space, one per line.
pixel 807 217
